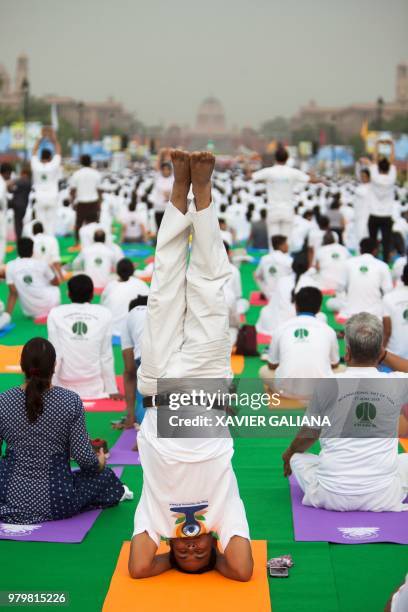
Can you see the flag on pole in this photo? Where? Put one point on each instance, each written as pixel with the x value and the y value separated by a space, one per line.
pixel 54 118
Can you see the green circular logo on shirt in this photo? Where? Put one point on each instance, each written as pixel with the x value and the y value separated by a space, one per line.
pixel 405 314
pixel 98 261
pixel 366 412
pixel 80 328
pixel 43 249
pixel 272 270
pixel 44 177
pixel 28 279
pixel 301 333
pixel 335 256
pixel 363 269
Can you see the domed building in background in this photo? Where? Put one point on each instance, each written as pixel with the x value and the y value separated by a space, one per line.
pixel 210 118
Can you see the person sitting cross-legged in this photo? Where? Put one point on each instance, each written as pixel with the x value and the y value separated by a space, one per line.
pixel 358 467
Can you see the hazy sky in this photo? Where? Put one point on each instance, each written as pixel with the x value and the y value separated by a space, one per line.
pixel 162 57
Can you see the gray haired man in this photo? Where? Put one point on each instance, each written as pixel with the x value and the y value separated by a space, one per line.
pixel 358 467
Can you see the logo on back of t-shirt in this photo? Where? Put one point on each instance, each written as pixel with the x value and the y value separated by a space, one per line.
pixel 363 269
pixel 405 315
pixel 44 177
pixel 28 279
pixel 335 256
pixel 43 249
pixel 189 520
pixel 366 413
pixel 272 270
pixel 301 333
pixel 98 261
pixel 80 328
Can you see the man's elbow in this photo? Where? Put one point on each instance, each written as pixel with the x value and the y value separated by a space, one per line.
pixel 138 570
pixel 244 574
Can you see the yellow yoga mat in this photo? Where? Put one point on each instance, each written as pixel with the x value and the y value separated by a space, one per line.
pixel 186 593
pixel 10 359
pixel 237 363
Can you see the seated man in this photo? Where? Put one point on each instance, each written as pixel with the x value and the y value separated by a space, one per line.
pixel 131 342
pixel 81 333
pixel 273 266
pixel 303 347
pixel 32 281
pixel 395 319
pixel 97 260
pixel 366 280
pixel 233 297
pixel 185 478
pixel 119 292
pixel 46 248
pixel 331 260
pixel 355 472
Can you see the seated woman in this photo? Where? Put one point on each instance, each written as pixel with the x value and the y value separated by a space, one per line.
pixel 43 427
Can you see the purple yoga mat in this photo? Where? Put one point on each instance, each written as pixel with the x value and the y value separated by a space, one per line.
pixel 121 452
pixel 318 525
pixel 68 531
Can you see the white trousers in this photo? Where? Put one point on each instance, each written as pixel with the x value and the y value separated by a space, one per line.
pixel 3 236
pixel 46 212
pixel 186 333
pixel 305 465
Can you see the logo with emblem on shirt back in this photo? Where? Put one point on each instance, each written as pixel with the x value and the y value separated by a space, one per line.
pixel 405 315
pixel 80 328
pixel 359 533
pixel 363 269
pixel 335 256
pixel 98 261
pixel 44 177
pixel 272 270
pixel 301 333
pixel 366 413
pixel 43 249
pixel 189 520
pixel 28 279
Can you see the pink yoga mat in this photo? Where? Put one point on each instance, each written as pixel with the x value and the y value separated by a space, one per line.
pixel 106 404
pixel 68 531
pixel 42 320
pixel 318 525
pixel 328 292
pixel 340 320
pixel 256 300
pixel 263 339
pixel 121 452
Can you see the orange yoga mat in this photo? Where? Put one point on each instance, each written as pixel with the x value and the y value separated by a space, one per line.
pixel 237 363
pixel 186 593
pixel 10 359
pixel 404 444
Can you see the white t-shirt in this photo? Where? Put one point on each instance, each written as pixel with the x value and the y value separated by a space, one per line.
pixel 382 191
pixel 271 267
pixel 359 465
pixel 46 175
pixel 398 268
pixel 331 262
pixel 86 181
pixel 82 337
pixel 65 221
pixel 161 191
pixel 32 280
pixel 87 233
pixel 46 248
pixel 3 207
pixel 399 602
pixel 116 297
pixel 132 330
pixel 304 347
pixel 281 181
pixel 396 308
pixel 367 279
pixel 133 222
pixel 98 261
pixel 187 482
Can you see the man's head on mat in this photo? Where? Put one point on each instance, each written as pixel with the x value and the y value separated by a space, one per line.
pixel 193 555
pixel 364 340
pixel 25 247
pixel 80 289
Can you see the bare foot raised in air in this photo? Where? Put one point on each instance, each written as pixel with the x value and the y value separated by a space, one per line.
pixel 201 168
pixel 182 179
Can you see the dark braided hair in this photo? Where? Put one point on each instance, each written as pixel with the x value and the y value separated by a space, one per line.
pixel 37 362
